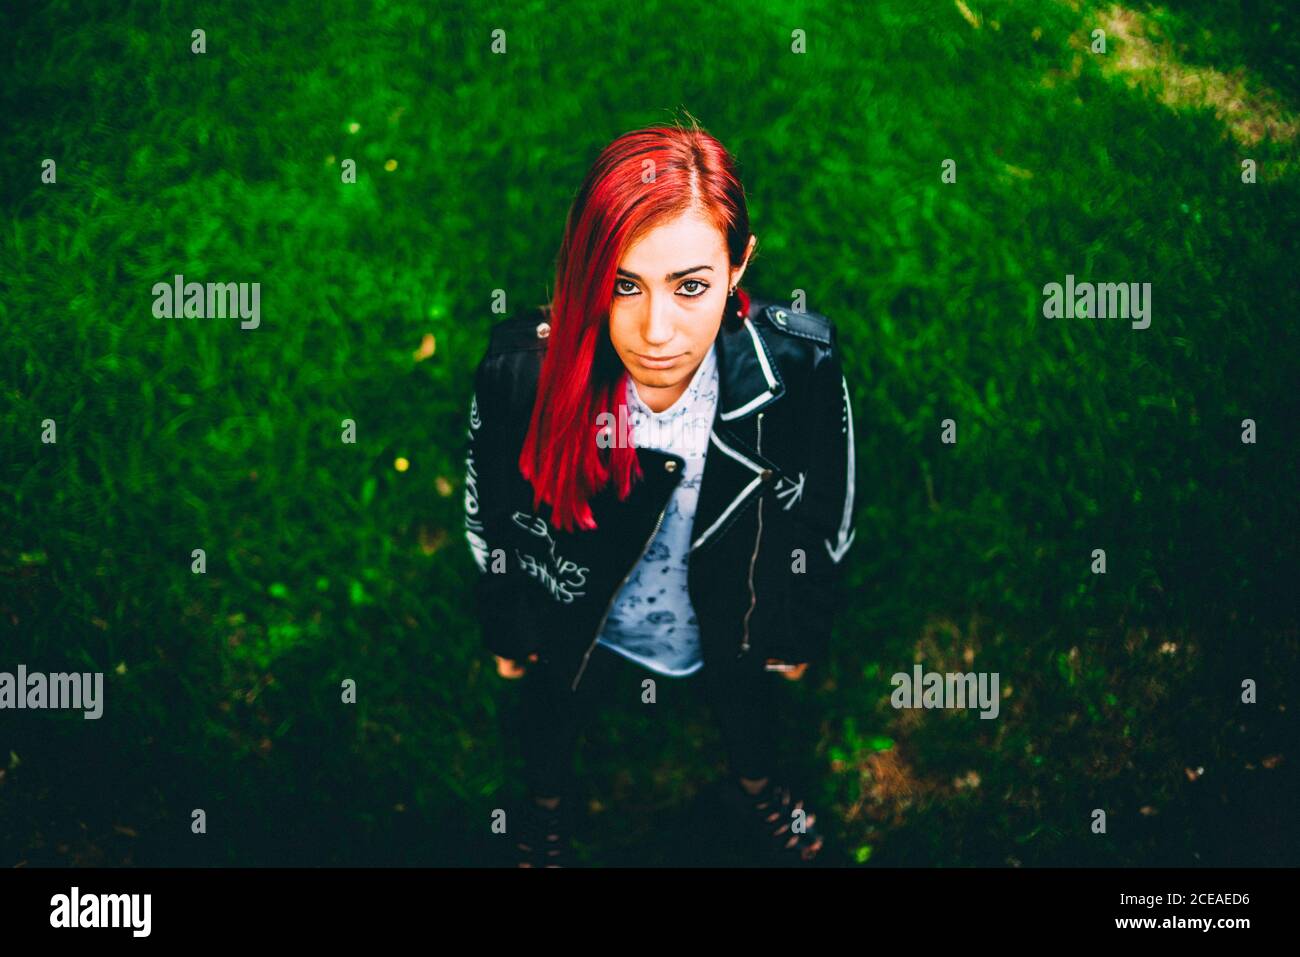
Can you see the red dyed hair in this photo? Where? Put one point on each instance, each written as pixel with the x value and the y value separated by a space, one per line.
pixel 582 375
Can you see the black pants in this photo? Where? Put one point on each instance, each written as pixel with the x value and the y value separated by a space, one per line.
pixel 742 696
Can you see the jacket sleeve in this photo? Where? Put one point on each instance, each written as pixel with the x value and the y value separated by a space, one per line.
pixel 823 514
pixel 497 587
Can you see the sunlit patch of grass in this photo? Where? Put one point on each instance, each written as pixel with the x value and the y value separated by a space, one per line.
pixel 1140 55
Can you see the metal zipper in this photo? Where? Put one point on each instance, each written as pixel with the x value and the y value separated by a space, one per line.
pixel 600 627
pixel 753 598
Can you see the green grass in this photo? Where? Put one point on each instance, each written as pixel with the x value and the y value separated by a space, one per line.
pixel 324 562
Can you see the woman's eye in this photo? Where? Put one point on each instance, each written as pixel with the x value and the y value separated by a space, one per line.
pixel 695 290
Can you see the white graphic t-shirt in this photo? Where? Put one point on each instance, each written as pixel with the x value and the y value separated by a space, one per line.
pixel 651 621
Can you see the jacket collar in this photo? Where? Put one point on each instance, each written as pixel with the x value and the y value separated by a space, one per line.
pixel 735 472
pixel 748 379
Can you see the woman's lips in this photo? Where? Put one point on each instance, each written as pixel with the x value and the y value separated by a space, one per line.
pixel 658 363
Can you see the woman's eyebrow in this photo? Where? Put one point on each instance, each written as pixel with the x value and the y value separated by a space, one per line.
pixel 670 277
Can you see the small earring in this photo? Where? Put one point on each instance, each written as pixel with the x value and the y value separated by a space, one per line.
pixel 740 312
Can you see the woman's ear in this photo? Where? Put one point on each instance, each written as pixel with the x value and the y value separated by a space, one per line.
pixel 739 271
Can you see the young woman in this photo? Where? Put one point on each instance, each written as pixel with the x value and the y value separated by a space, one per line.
pixel 659 483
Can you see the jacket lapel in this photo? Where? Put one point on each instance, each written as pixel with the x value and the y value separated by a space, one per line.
pixel 734 471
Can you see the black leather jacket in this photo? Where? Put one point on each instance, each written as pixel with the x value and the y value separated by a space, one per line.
pixel 773 520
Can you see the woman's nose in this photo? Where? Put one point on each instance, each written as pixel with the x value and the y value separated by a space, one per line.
pixel 659 322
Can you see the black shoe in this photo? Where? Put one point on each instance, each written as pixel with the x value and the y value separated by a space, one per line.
pixel 766 821
pixel 542 837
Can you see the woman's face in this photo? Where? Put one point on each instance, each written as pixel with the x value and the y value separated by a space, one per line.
pixel 669 295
